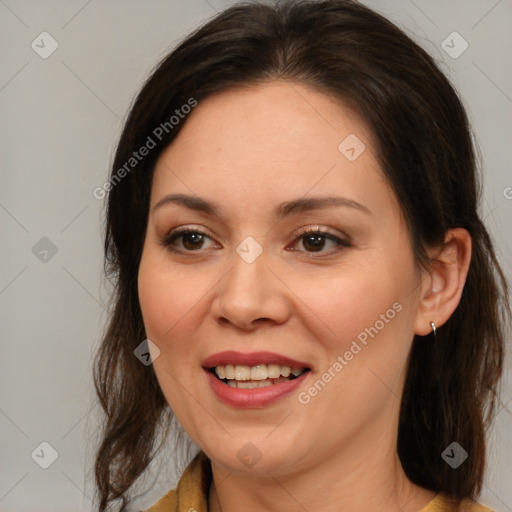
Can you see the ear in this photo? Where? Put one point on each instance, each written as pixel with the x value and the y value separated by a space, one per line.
pixel 441 288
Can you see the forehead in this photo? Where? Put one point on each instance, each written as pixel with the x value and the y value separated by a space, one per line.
pixel 288 118
pixel 271 142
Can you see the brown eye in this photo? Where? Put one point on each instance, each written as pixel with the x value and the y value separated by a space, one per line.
pixel 191 240
pixel 314 240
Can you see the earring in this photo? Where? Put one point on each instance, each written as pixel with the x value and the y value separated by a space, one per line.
pixel 433 325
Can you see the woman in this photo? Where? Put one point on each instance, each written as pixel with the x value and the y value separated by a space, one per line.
pixel 292 226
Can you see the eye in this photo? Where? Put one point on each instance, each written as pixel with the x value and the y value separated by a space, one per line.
pixel 314 240
pixel 192 240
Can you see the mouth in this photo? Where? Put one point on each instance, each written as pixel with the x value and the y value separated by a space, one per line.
pixel 258 376
pixel 254 380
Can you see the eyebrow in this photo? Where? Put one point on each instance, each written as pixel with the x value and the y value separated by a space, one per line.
pixel 284 209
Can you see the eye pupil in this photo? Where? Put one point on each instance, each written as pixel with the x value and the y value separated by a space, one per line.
pixel 194 238
pixel 317 241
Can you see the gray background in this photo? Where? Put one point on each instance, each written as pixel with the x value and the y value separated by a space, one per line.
pixel 61 118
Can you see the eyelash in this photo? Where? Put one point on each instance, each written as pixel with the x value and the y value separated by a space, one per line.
pixel 299 235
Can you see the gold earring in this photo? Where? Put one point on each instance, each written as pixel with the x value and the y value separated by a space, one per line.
pixel 433 325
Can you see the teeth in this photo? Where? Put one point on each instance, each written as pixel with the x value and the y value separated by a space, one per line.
pixel 260 372
pixel 274 370
pixel 229 371
pixel 242 372
pixel 219 370
pixel 285 371
pixel 252 384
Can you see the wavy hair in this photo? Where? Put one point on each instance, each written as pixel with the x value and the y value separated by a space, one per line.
pixel 423 142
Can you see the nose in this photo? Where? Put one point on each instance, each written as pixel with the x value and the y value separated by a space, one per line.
pixel 250 294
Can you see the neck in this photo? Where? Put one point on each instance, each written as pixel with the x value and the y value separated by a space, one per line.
pixel 360 477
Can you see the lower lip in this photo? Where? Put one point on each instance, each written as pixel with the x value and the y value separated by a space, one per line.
pixel 253 398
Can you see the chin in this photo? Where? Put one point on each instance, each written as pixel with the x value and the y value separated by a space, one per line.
pixel 258 456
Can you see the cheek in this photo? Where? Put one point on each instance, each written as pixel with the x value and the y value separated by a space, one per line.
pixel 167 304
pixel 165 299
pixel 347 302
pixel 372 321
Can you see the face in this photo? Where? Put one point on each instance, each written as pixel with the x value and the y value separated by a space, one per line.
pixel 305 308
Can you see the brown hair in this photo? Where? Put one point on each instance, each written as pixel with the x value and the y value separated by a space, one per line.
pixel 424 146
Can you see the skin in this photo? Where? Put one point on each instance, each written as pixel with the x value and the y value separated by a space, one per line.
pixel 250 149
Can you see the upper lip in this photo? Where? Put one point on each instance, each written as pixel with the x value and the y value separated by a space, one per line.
pixel 251 359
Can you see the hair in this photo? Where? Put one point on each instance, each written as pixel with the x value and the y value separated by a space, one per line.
pixel 424 145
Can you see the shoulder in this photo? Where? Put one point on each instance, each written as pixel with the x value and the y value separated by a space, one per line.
pixel 443 503
pixel 472 506
pixel 169 503
pixel 191 489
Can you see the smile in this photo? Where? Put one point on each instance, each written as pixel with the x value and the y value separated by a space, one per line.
pixel 253 380
pixel 259 376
